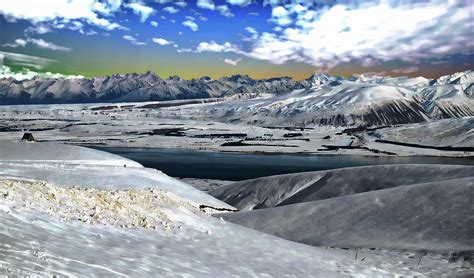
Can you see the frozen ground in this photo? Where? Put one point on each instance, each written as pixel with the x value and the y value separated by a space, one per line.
pixel 131 125
pixel 62 217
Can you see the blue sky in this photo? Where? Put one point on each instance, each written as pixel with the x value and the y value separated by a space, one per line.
pixel 217 38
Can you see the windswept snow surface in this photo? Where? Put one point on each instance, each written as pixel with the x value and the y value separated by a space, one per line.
pixel 66 165
pixel 396 207
pixel 435 216
pixel 96 228
pixel 280 190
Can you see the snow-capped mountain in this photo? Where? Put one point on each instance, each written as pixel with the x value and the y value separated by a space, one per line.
pixel 138 87
pixel 321 99
pixel 342 103
pixel 362 101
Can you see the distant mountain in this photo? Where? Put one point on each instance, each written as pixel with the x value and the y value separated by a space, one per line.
pixel 320 99
pixel 139 87
pixel 357 101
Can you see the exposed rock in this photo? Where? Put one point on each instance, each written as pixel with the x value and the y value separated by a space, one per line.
pixel 28 137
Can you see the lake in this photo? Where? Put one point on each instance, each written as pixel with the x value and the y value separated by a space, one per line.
pixel 238 166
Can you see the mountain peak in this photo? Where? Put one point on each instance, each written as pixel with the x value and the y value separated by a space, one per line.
pixel 175 78
pixel 321 78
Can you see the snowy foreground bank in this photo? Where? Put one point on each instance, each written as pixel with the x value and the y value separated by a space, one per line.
pixel 67 210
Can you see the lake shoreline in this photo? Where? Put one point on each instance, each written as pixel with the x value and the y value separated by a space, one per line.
pixel 266 153
pixel 235 166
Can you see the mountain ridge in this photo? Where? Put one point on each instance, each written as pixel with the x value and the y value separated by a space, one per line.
pixel 366 100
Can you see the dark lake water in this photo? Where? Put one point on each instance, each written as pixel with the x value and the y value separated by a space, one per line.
pixel 232 166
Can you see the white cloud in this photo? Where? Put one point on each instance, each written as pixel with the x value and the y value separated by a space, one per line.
pixel 38 29
pixel 161 41
pixel 191 24
pixel 139 9
pixel 88 33
pixel 232 62
pixel 225 11
pixel 184 50
pixel 154 23
pixel 40 43
pixel 181 4
pixel 242 3
pixel 251 30
pixel 212 46
pixel 171 10
pixel 370 33
pixel 44 10
pixel 17 43
pixel 133 40
pixel 210 5
pixel 6 72
pixel 281 16
pixel 48 45
pixel 24 60
pixel 206 4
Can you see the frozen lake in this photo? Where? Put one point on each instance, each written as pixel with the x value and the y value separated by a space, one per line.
pixel 236 166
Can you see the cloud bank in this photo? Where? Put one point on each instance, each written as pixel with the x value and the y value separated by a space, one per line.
pixel 370 33
pixel 6 72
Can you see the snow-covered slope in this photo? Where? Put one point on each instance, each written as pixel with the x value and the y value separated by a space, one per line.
pixel 345 103
pixel 60 216
pixel 448 101
pixel 54 153
pixel 280 190
pixel 456 132
pixel 66 165
pixel 362 101
pixel 435 216
pixel 33 243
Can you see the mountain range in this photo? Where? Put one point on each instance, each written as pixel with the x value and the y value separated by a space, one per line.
pixel 355 101
pixel 138 87
pixel 319 99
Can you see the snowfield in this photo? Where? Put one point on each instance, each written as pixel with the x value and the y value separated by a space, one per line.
pixel 50 228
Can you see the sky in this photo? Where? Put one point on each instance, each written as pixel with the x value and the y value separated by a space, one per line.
pixel 218 38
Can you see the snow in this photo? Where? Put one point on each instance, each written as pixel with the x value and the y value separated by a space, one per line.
pixel 135 127
pixel 280 190
pixel 433 216
pixel 50 247
pixel 107 174
pixel 447 132
pixel 99 219
pixel 55 153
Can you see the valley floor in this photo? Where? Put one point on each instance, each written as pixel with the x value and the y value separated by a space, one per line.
pixel 131 125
